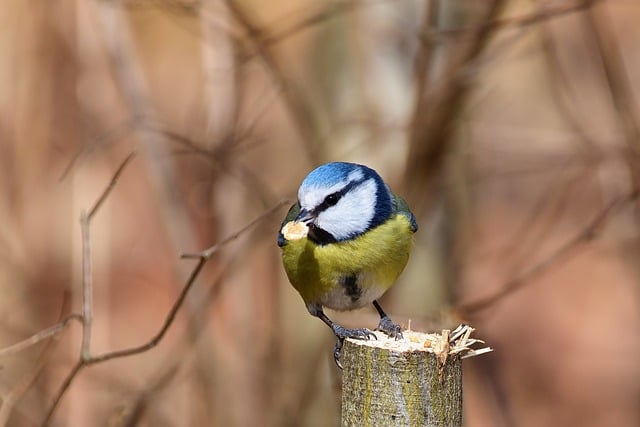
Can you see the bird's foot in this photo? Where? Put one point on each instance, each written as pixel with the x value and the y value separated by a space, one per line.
pixel 389 328
pixel 342 333
pixel 358 334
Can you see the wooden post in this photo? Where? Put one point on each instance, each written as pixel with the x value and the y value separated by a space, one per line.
pixel 415 381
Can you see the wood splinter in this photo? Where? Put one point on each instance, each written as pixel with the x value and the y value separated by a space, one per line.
pixel 416 380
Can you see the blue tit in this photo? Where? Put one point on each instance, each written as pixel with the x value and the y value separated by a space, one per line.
pixel 345 242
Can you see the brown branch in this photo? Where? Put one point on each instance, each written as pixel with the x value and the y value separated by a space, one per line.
pixel 86 359
pixel 40 336
pixel 619 84
pixel 63 389
pixel 516 21
pixel 10 399
pixel 171 315
pixel 111 135
pixel 434 114
pixel 298 106
pixel 318 18
pixel 275 37
pixel 87 289
pixel 563 253
pixel 207 253
pixel 112 184
pixel 617 78
pixel 87 306
pixel 528 239
pixel 165 373
pixel 563 94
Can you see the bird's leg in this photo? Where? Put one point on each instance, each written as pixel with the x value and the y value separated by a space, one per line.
pixel 340 332
pixel 386 325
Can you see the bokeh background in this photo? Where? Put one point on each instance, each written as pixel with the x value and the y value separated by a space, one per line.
pixel 511 127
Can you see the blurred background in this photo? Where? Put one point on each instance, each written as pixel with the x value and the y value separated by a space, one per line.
pixel 511 127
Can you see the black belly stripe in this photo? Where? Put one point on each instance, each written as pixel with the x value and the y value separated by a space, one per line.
pixel 351 288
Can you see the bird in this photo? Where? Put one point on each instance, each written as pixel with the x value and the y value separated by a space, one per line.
pixel 344 243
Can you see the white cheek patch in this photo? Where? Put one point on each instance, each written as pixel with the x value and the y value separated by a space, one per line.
pixel 352 214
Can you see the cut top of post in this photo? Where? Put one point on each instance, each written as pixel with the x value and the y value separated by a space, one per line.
pixel 416 380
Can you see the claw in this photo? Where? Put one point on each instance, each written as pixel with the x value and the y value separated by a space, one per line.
pixel 358 334
pixel 342 333
pixel 389 328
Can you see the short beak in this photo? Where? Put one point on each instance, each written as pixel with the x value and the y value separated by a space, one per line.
pixel 305 216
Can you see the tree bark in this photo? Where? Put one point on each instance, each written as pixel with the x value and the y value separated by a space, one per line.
pixel 401 383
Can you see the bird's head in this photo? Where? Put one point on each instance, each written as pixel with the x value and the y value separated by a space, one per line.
pixel 339 201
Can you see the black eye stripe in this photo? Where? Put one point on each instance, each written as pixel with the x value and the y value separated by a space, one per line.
pixel 329 201
pixel 333 198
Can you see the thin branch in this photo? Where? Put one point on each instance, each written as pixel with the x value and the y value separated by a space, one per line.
pixel 87 306
pixel 203 257
pixel 87 289
pixel 616 75
pixel 10 399
pixel 207 253
pixel 40 336
pixel 434 115
pixel 62 390
pixel 165 373
pixel 563 93
pixel 342 7
pixel 112 184
pixel 586 235
pixel 311 21
pixel 516 21
pixel 112 134
pixel 298 106
pixel 171 315
pixel 529 237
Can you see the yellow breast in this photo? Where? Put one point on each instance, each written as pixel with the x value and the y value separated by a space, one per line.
pixel 377 258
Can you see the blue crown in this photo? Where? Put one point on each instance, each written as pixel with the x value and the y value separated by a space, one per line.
pixel 330 174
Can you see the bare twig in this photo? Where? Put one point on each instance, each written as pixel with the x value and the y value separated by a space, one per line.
pixel 433 116
pixel 87 289
pixel 331 11
pixel 63 389
pixel 563 93
pixel 10 399
pixel 618 81
pixel 167 372
pixel 87 306
pixel 112 183
pixel 586 235
pixel 207 253
pixel 528 239
pixel 171 315
pixel 341 7
pixel 40 336
pixel 615 73
pixel 297 104
pixel 515 21
pixel 204 256
pixel 110 135
pixel 220 157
